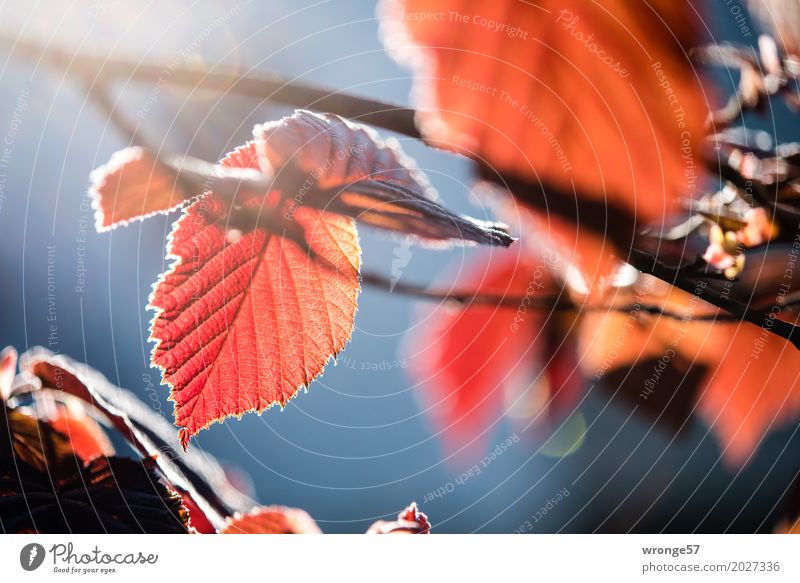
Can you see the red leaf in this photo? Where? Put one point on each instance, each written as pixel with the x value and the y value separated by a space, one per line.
pixel 263 289
pixel 27 439
pixel 317 160
pixel 330 163
pixel 614 339
pixel 754 389
pixel 409 521
pixel 244 318
pixel 194 474
pixel 272 520
pixel 481 361
pixel 106 495
pixel 197 518
pixel 598 98
pixel 131 186
pixel 752 384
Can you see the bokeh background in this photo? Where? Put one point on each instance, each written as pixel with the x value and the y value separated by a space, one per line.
pixel 359 445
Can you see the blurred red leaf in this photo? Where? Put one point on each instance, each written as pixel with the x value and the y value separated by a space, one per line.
pixel 272 520
pixel 751 386
pixel 478 362
pixel 587 97
pixel 754 389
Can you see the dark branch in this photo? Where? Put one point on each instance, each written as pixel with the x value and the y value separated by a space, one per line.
pixel 556 302
pixel 102 69
pixel 700 289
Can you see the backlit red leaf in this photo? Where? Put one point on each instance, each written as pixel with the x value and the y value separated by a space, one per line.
pixel 245 317
pixel 134 185
pixel 330 163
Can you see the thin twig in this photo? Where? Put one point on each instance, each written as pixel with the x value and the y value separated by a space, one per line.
pixel 465 297
pixel 559 302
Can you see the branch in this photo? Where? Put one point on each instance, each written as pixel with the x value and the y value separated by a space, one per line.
pixel 699 288
pixel 559 303
pixel 101 69
pixel 379 281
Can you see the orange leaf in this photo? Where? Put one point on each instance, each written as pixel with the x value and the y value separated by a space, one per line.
pixel 244 318
pixel 131 186
pixel 752 383
pixel 755 388
pixel 594 97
